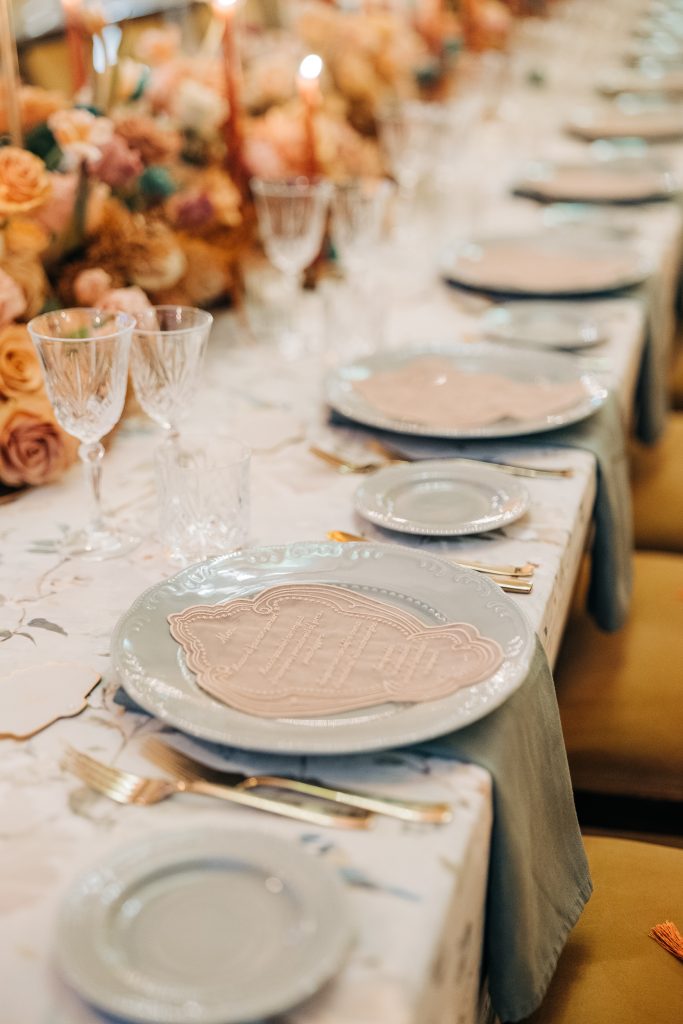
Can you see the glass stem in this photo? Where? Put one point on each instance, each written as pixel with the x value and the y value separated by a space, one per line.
pixel 92 455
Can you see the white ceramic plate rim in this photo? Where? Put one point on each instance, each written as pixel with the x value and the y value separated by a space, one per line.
pixel 642 269
pixel 82 909
pixel 346 400
pixel 537 183
pixel 510 313
pixel 584 124
pixel 369 503
pixel 175 701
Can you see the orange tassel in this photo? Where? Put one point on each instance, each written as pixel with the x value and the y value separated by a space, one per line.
pixel 669 937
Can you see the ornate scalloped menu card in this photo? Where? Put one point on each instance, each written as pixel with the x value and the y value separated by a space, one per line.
pixel 305 650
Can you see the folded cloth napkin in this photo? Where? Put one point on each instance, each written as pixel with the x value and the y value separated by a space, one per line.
pixel 602 434
pixel 538 875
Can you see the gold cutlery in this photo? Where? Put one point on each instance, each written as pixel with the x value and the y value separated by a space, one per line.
pixel 185 767
pixel 347 465
pixel 522 571
pixel 127 788
pixel 394 455
pixel 514 584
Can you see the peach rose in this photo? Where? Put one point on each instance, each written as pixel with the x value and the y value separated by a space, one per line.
pixel 24 237
pixel 158 45
pixel 24 181
pixel 56 212
pixel 12 299
pixel 29 273
pixel 19 365
pixel 33 447
pixel 91 285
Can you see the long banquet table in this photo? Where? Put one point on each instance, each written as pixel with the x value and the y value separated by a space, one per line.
pixel 417 893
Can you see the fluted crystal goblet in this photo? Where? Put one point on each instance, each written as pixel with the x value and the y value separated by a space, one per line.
pixel 84 356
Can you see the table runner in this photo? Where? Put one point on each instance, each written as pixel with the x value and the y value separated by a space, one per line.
pixel 602 434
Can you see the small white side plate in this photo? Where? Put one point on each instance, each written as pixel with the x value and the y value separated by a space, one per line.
pixel 441 498
pixel 554 325
pixel 202 927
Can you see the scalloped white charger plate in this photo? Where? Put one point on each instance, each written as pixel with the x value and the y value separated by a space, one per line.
pixel 151 666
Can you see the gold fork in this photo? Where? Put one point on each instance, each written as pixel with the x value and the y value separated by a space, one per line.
pixel 346 465
pixel 392 455
pixel 127 788
pixel 183 766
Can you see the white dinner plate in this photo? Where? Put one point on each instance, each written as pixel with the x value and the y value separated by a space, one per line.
pixel 557 367
pixel 440 498
pixel 202 927
pixel 638 121
pixel 644 82
pixel 554 325
pixel 151 666
pixel 625 179
pixel 549 264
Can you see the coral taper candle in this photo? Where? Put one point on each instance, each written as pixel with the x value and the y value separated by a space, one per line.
pixel 308 84
pixel 74 40
pixel 10 73
pixel 225 12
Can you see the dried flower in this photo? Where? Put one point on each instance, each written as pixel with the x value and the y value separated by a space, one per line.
pixel 155 143
pixel 158 45
pixel 24 237
pixel 155 259
pixel 33 447
pixel 29 273
pixel 200 108
pixel 19 365
pixel 24 181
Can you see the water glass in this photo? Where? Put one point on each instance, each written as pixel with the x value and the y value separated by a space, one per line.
pixel 203 484
pixel 359 210
pixel 84 356
pixel 168 349
pixel 291 219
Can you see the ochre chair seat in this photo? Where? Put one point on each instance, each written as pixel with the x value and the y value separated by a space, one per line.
pixel 657 481
pixel 610 971
pixel 621 694
pixel 677 378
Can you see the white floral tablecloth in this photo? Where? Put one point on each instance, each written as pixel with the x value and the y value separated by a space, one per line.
pixel 416 893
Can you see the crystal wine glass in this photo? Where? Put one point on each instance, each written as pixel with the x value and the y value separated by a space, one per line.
pixel 166 357
pixel 291 219
pixel 358 211
pixel 84 356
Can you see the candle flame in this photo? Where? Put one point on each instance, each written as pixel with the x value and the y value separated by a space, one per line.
pixel 311 67
pixel 223 5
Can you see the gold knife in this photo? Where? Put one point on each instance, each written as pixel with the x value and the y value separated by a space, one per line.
pixel 178 763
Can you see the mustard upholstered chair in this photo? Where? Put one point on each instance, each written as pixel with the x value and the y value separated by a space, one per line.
pixel 657 481
pixel 677 377
pixel 610 971
pixel 621 694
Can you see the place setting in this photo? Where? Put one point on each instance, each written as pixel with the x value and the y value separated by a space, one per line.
pixel 619 179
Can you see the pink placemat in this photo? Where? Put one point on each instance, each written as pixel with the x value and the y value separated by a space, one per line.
pixel 305 650
pixel 431 390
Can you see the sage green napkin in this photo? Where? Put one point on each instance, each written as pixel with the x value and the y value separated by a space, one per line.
pixel 602 434
pixel 538 875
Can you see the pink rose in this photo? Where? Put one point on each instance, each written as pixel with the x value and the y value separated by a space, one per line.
pixel 126 300
pixel 56 213
pixel 119 165
pixel 12 299
pixel 91 286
